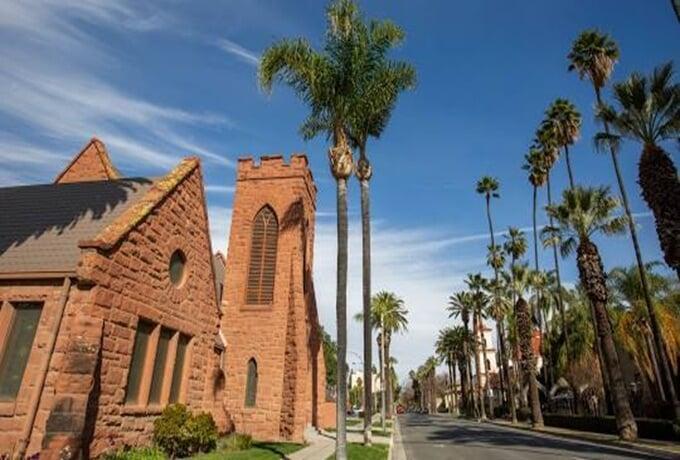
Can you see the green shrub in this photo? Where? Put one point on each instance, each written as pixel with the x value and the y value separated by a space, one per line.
pixel 179 433
pixel 135 453
pixel 201 432
pixel 236 442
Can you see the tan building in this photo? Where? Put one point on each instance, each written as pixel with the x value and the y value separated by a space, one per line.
pixel 109 311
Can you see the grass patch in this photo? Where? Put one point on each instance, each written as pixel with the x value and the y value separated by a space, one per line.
pixel 353 421
pixel 385 433
pixel 388 424
pixel 258 451
pixel 361 452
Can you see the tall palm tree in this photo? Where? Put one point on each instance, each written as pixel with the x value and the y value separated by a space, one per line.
pixel 375 97
pixel 565 122
pixel 583 213
pixel 593 56
pixel 520 282
pixel 326 81
pixel 649 112
pixel 461 306
pixel 498 309
pixel 476 283
pixel 548 152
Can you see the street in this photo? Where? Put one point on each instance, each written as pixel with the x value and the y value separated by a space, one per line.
pixel 431 437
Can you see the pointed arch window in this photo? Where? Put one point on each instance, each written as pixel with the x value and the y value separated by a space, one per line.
pixel 251 383
pixel 262 266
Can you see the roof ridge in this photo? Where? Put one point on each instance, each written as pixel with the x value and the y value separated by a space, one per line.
pixel 135 214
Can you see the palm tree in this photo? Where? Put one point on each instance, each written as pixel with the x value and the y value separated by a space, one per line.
pixel 594 55
pixel 327 82
pixel 381 83
pixel 649 112
pixel 633 326
pixel 548 152
pixel 461 306
pixel 583 213
pixel 445 347
pixel 388 315
pixel 565 122
pixel 520 282
pixel 498 309
pixel 476 283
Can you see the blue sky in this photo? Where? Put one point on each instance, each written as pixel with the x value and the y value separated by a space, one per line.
pixel 167 79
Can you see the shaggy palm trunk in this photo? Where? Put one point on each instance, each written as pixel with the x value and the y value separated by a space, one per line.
pixel 509 385
pixel 661 190
pixel 556 261
pixel 658 356
pixel 528 360
pixel 364 173
pixel 478 369
pixel 340 157
pixel 465 396
pixel 592 277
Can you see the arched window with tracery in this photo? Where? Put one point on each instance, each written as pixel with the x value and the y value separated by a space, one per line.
pixel 262 266
pixel 251 383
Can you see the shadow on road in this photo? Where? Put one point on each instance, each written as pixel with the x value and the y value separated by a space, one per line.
pixel 445 430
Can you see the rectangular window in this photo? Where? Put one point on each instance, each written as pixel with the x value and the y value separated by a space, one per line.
pixel 144 331
pixel 19 342
pixel 157 366
pixel 178 370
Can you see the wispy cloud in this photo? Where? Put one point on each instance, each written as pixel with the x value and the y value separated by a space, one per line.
pixel 220 188
pixel 53 85
pixel 233 48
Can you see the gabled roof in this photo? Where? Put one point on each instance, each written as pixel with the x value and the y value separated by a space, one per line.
pixel 79 169
pixel 41 225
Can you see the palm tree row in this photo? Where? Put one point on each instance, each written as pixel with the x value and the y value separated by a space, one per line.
pixel 648 111
pixel 351 88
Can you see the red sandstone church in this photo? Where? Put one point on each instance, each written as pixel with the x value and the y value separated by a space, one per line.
pixel 112 306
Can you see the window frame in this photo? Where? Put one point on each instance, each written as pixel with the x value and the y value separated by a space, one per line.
pixel 143 402
pixel 7 316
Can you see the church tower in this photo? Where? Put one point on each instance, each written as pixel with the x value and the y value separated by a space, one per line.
pixel 275 373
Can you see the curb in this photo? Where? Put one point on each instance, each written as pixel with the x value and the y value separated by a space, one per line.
pixel 613 443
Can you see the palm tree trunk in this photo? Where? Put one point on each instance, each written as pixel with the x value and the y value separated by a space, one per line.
pixel 495 272
pixel 381 344
pixel 528 360
pixel 341 318
pixel 506 369
pixel 654 322
pixel 569 171
pixel 478 369
pixel 558 278
pixel 472 402
pixel 591 273
pixel 388 376
pixel 455 390
pixel 366 295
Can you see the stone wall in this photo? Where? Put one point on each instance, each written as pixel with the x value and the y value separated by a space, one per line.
pixel 91 164
pixel 131 282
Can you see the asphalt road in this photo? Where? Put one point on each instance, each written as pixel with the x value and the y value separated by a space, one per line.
pixel 435 437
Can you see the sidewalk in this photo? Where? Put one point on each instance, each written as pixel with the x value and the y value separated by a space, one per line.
pixel 322 445
pixel 648 446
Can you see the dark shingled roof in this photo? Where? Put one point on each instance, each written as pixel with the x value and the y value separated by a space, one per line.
pixel 41 225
